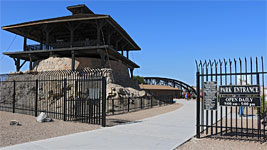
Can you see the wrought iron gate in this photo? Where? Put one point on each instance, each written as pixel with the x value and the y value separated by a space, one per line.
pixel 237 122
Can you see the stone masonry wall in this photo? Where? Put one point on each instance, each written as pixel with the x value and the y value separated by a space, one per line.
pixel 120 73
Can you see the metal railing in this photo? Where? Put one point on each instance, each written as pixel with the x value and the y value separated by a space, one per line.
pixel 130 104
pixel 57 45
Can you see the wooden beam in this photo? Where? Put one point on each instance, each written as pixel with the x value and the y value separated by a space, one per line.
pixel 72 60
pixel 53 21
pixel 22 64
pixel 121 33
pixel 117 43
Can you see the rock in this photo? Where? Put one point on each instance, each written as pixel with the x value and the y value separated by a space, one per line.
pixel 116 91
pixel 43 117
pixel 14 122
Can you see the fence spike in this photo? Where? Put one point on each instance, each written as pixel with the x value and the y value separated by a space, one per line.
pixel 197 65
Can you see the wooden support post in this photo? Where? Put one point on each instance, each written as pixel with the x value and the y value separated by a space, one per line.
pixel 25 44
pixel 72 28
pixel 99 25
pixel 30 65
pixel 17 63
pixel 109 38
pixel 41 41
pixel 71 37
pixel 103 57
pixel 127 54
pixel 47 39
pixel 123 48
pixel 98 35
pixel 72 60
pixel 117 45
pixel 131 70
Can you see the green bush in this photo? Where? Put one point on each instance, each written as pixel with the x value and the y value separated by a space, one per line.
pixel 140 79
pixel 263 110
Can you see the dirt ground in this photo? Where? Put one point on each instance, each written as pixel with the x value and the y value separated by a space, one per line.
pixel 230 140
pixel 31 130
pixel 221 144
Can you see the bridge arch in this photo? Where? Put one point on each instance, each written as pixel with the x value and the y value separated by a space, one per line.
pixel 169 82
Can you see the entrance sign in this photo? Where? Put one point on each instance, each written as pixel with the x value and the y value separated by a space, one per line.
pixel 240 95
pixel 210 95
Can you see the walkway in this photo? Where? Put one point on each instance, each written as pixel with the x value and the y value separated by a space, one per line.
pixel 165 131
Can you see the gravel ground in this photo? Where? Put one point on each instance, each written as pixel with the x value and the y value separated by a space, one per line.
pixel 221 144
pixel 31 130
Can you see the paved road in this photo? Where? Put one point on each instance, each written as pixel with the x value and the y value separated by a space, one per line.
pixel 165 131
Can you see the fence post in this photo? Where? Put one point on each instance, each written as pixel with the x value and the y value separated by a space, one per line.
pixel 128 104
pixel 259 109
pixel 151 101
pixel 65 98
pixel 36 98
pixel 14 95
pixel 103 102
pixel 141 103
pixel 198 106
pixel 113 108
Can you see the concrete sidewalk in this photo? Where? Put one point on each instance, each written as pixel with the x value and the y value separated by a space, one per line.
pixel 165 131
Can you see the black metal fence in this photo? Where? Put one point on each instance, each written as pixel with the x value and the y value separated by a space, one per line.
pixel 71 96
pixel 130 104
pixel 229 121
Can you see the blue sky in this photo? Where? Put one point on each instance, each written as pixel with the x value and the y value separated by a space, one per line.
pixel 172 34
